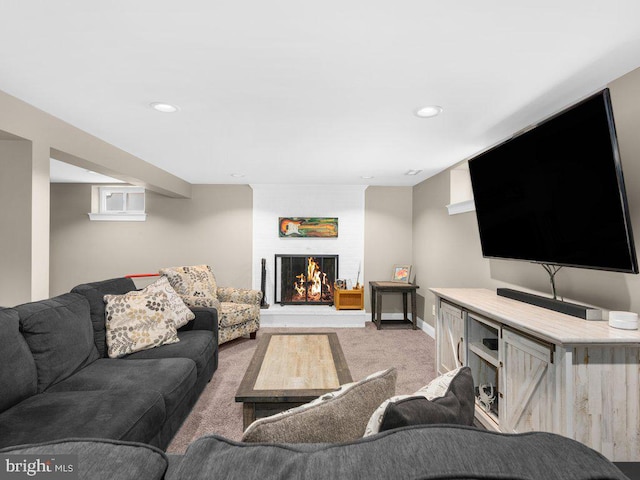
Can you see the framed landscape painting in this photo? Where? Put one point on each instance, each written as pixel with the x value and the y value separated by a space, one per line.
pixel 308 227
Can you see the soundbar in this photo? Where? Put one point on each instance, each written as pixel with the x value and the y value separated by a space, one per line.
pixel 573 309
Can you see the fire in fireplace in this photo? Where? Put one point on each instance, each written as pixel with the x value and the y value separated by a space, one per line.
pixel 305 279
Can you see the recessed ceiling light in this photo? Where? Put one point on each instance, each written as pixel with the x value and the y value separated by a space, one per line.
pixel 237 175
pixel 164 107
pixel 429 111
pixel 413 172
pixel 367 177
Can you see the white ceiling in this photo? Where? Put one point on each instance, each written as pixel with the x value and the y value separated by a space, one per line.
pixel 291 91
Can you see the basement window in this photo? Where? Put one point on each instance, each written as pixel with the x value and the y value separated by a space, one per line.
pixel 118 203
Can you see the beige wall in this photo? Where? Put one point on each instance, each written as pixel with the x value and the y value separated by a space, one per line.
pixel 40 230
pixel 387 238
pixel 212 227
pixel 447 249
pixel 72 145
pixel 24 216
pixel 15 218
pixel 401 225
pixel 46 136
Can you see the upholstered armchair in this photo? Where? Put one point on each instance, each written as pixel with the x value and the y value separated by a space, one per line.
pixel 238 308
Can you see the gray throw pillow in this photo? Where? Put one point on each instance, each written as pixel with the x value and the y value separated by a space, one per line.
pixel 449 399
pixel 335 417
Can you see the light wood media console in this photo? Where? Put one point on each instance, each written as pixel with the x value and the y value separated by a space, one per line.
pixel 550 371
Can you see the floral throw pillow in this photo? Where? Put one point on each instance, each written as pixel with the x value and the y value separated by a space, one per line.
pixel 196 284
pixel 144 319
pixel 182 313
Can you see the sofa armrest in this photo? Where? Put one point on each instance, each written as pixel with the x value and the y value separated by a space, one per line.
pixel 193 301
pixel 100 459
pixel 206 319
pixel 239 295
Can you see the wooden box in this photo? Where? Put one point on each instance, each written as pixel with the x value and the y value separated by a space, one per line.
pixel 348 299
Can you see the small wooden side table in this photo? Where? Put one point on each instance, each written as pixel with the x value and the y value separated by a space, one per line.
pixel 379 288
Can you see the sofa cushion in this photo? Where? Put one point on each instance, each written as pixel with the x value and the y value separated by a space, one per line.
pixel 192 281
pixel 60 336
pixel 103 459
pixel 18 378
pixel 94 292
pixel 122 415
pixel 448 398
pixel 206 319
pixel 424 452
pixel 197 345
pixel 334 417
pixel 144 319
pixel 173 378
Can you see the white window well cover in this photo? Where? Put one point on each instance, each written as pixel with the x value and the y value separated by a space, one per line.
pixel 121 203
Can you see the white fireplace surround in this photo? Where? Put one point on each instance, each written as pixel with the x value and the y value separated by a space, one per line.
pixel 346 202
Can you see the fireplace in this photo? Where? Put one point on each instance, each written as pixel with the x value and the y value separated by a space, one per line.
pixel 305 279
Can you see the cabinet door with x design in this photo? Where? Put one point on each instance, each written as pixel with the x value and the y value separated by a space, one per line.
pixel 528 384
pixel 450 348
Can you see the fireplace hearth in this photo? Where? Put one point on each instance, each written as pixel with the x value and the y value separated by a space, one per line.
pixel 305 279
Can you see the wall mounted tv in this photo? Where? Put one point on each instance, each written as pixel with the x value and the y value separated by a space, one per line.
pixel 555 194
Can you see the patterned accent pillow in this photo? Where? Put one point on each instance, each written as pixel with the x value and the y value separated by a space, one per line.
pixel 448 398
pixel 195 284
pixel 144 319
pixel 183 314
pixel 334 417
pixel 438 386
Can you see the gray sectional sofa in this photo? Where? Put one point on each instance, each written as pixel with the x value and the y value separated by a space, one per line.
pixel 417 452
pixel 63 400
pixel 56 381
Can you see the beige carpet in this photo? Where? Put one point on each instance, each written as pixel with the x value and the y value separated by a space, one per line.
pixel 366 350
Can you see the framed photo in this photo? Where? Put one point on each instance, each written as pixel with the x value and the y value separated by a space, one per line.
pixel 401 273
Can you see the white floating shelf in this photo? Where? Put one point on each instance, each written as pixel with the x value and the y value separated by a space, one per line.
pixel 461 207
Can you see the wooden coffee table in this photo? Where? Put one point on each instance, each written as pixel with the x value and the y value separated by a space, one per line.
pixel 289 369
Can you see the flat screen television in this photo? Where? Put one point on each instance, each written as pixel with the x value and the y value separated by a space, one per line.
pixel 555 194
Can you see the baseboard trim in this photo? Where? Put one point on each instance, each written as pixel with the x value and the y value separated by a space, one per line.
pixel 325 316
pixel 426 328
pixel 422 325
pixel 311 316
